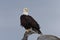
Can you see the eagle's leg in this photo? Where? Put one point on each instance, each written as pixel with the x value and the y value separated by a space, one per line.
pixel 30 31
pixel 27 30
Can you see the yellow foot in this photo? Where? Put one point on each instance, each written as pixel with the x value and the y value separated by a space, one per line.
pixel 27 30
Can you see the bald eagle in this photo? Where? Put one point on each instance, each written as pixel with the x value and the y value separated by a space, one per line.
pixel 28 22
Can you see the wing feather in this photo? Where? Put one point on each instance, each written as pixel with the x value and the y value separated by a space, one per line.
pixel 32 22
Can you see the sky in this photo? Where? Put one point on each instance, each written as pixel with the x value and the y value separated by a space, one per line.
pixel 45 12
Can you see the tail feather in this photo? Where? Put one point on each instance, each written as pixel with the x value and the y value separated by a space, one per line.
pixel 37 31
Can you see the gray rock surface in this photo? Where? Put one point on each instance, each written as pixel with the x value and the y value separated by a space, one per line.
pixel 48 37
pixel 41 37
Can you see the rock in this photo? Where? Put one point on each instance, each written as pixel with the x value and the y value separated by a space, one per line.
pixel 48 37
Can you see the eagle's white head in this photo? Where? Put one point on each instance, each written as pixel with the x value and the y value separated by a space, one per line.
pixel 25 11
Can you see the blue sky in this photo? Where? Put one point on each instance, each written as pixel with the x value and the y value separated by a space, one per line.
pixel 45 12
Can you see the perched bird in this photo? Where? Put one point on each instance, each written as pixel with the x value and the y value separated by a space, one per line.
pixel 28 22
